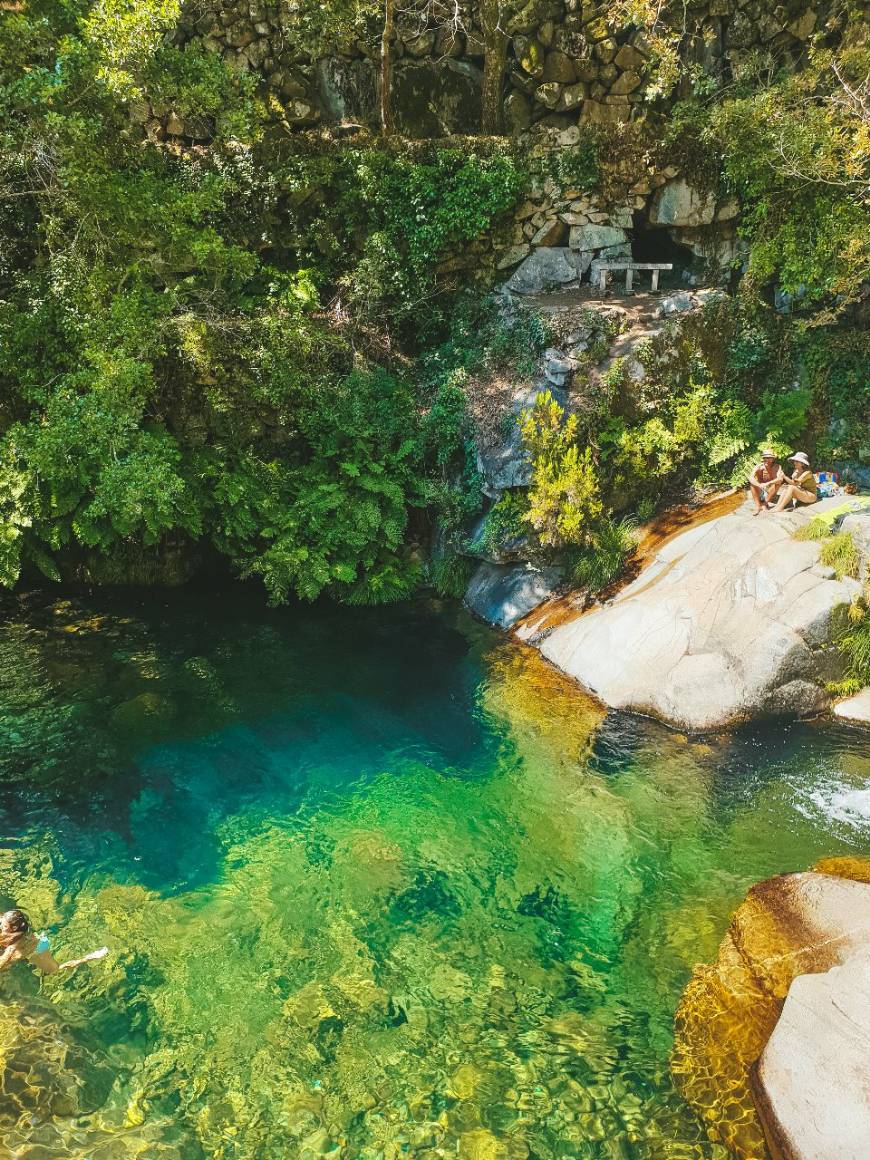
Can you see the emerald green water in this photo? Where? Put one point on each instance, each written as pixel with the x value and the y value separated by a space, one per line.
pixel 375 884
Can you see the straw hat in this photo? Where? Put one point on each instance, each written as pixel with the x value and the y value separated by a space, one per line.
pixel 799 457
pixel 768 454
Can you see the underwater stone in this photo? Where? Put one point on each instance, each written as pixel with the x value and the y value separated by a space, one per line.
pixel 789 926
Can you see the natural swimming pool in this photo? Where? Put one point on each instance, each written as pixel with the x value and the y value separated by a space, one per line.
pixel 376 883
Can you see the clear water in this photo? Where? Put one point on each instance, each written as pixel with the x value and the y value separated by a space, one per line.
pixel 375 884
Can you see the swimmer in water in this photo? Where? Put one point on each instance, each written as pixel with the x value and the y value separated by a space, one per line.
pixel 19 943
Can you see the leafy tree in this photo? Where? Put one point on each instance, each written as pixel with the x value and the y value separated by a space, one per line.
pixel 564 499
pixel 797 152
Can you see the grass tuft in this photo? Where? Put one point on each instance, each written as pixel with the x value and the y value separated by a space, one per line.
pixel 840 553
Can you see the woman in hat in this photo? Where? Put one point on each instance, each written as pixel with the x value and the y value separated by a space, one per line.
pixel 765 480
pixel 802 484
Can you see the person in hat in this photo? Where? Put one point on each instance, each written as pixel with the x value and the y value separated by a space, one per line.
pixel 802 484
pixel 765 480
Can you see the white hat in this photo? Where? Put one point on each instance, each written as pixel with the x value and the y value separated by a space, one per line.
pixel 799 457
pixel 768 454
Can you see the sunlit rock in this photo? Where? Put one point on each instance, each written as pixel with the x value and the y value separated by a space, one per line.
pixel 729 621
pixel 823 1031
pixel 787 927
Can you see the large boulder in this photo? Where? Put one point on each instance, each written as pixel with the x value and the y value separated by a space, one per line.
pixel 548 268
pixel 502 594
pixel 789 930
pixel 733 619
pixel 437 98
pixel 596 237
pixel 823 1034
pixel 679 204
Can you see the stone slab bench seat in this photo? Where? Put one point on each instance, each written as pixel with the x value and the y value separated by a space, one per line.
pixel 605 267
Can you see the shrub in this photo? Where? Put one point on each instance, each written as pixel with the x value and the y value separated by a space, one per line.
pixel 816 529
pixel 840 553
pixel 506 521
pixel 600 563
pixel 855 646
pixel 449 573
pixel 564 499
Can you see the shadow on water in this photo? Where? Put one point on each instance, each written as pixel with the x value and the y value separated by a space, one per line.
pixel 162 727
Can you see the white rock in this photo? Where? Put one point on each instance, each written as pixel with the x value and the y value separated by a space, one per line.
pixel 675 304
pixel 548 268
pixel 680 204
pixel 855 709
pixel 596 237
pixel 725 624
pixel 812 1082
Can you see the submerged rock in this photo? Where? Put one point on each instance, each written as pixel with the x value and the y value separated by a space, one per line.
pixel 783 939
pixel 732 620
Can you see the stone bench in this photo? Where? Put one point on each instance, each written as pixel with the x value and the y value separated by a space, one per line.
pixel 605 267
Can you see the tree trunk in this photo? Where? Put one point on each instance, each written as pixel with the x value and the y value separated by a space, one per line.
pixel 494 62
pixel 387 125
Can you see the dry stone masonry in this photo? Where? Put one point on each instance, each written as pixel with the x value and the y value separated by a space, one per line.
pixel 567 63
pixel 568 68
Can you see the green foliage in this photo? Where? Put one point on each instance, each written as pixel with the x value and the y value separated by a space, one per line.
pixel 841 554
pixel 855 646
pixel 598 565
pixel 481 336
pixel 166 378
pixel 661 448
pixel 573 166
pixel 190 337
pixel 816 529
pixel 336 520
pixel 836 363
pixel 383 222
pixel 449 573
pixel 564 499
pixel 645 509
pixel 506 521
pixel 796 152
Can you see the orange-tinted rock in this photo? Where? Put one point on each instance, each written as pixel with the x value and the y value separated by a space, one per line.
pixel 792 925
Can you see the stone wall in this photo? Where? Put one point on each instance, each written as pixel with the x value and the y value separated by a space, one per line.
pixel 566 64
pixel 567 68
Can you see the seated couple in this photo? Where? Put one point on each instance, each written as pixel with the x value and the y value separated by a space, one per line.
pixel 768 480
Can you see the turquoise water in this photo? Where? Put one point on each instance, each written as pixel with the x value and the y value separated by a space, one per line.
pixel 376 883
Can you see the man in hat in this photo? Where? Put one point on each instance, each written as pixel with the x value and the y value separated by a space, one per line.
pixel 802 485
pixel 765 480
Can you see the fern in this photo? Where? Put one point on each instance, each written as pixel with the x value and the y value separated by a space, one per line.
pixel 725 447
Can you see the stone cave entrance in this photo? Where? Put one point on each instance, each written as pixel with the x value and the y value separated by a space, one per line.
pixel 655 244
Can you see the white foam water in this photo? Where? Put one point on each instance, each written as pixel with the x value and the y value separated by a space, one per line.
pixel 839 802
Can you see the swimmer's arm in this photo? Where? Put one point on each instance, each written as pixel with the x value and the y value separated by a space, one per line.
pixel 71 964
